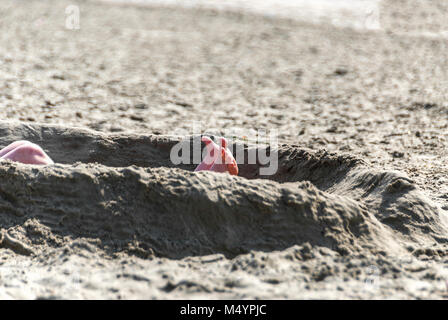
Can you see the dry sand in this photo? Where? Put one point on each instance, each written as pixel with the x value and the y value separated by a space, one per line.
pixel 356 209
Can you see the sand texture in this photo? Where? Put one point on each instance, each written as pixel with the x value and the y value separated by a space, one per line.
pixel 121 205
pixel 357 208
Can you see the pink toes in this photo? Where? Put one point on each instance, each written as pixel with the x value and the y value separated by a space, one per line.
pixel 207 140
pixel 25 152
pixel 212 150
pixel 218 157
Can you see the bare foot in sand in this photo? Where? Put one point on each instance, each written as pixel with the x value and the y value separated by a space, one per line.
pixel 25 152
pixel 218 158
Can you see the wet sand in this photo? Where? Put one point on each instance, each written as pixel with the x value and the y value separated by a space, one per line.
pixel 356 209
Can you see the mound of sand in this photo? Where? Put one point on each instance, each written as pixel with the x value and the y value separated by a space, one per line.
pixel 121 195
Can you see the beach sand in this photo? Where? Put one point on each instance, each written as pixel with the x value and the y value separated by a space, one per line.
pixel 357 208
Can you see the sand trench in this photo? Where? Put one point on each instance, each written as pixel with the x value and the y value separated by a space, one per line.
pixel 124 187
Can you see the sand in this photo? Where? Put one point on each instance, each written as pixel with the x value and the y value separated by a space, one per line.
pixel 357 208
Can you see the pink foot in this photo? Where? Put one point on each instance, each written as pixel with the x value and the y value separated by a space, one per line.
pixel 218 158
pixel 25 152
pixel 12 146
pixel 213 150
